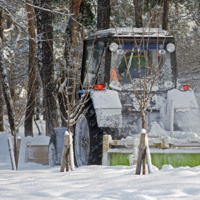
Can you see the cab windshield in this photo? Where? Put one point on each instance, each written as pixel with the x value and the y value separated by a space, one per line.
pixel 94 64
pixel 142 63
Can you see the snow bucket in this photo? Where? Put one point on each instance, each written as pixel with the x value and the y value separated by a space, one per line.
pixel 164 150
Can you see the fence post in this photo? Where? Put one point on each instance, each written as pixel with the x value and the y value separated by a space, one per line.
pixel 71 153
pixel 141 155
pixel 144 160
pixel 18 148
pixel 149 164
pixel 65 153
pixel 172 118
pixel 10 146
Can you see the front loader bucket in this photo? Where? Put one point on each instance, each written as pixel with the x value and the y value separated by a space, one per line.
pixel 176 159
pixel 163 150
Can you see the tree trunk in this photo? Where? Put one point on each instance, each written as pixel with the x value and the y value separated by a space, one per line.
pixel 165 15
pixel 37 98
pixel 1 92
pixel 47 66
pixel 143 119
pixel 138 14
pixel 103 14
pixel 62 104
pixel 6 93
pixel 31 73
pixel 39 53
pixel 1 24
pixel 1 108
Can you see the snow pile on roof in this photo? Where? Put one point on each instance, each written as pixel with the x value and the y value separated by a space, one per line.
pixel 132 31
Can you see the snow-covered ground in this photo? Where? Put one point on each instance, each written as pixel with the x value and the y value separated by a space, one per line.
pixel 35 181
pixel 99 182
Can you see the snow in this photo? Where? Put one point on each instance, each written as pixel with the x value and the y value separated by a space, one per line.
pixel 115 85
pixel 187 115
pixel 108 107
pixel 71 153
pixel 128 31
pixel 105 99
pixel 157 131
pixel 182 99
pixel 36 181
pixel 148 155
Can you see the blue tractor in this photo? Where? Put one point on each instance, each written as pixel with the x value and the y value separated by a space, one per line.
pixel 113 61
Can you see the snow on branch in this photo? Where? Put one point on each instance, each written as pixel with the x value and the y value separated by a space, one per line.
pixel 9 29
pixel 47 10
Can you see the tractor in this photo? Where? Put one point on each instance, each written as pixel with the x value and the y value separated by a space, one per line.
pixel 114 60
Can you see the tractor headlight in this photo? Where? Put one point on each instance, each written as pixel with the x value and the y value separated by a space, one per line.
pixel 170 47
pixel 113 46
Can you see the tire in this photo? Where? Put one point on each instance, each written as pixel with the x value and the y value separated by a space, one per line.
pixel 52 154
pixel 88 139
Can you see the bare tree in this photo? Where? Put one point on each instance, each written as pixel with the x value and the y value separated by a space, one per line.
pixel 75 111
pixel 69 71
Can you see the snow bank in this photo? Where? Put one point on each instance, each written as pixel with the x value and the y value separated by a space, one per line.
pixel 157 131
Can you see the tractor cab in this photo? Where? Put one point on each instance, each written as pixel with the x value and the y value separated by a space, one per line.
pixel 123 57
pixel 110 55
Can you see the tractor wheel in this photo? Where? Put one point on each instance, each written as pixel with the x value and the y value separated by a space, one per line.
pixel 52 151
pixel 88 139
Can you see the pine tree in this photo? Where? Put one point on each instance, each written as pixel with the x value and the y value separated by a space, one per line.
pixel 46 65
pixel 28 125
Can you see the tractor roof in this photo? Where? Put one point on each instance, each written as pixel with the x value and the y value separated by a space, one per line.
pixel 131 32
